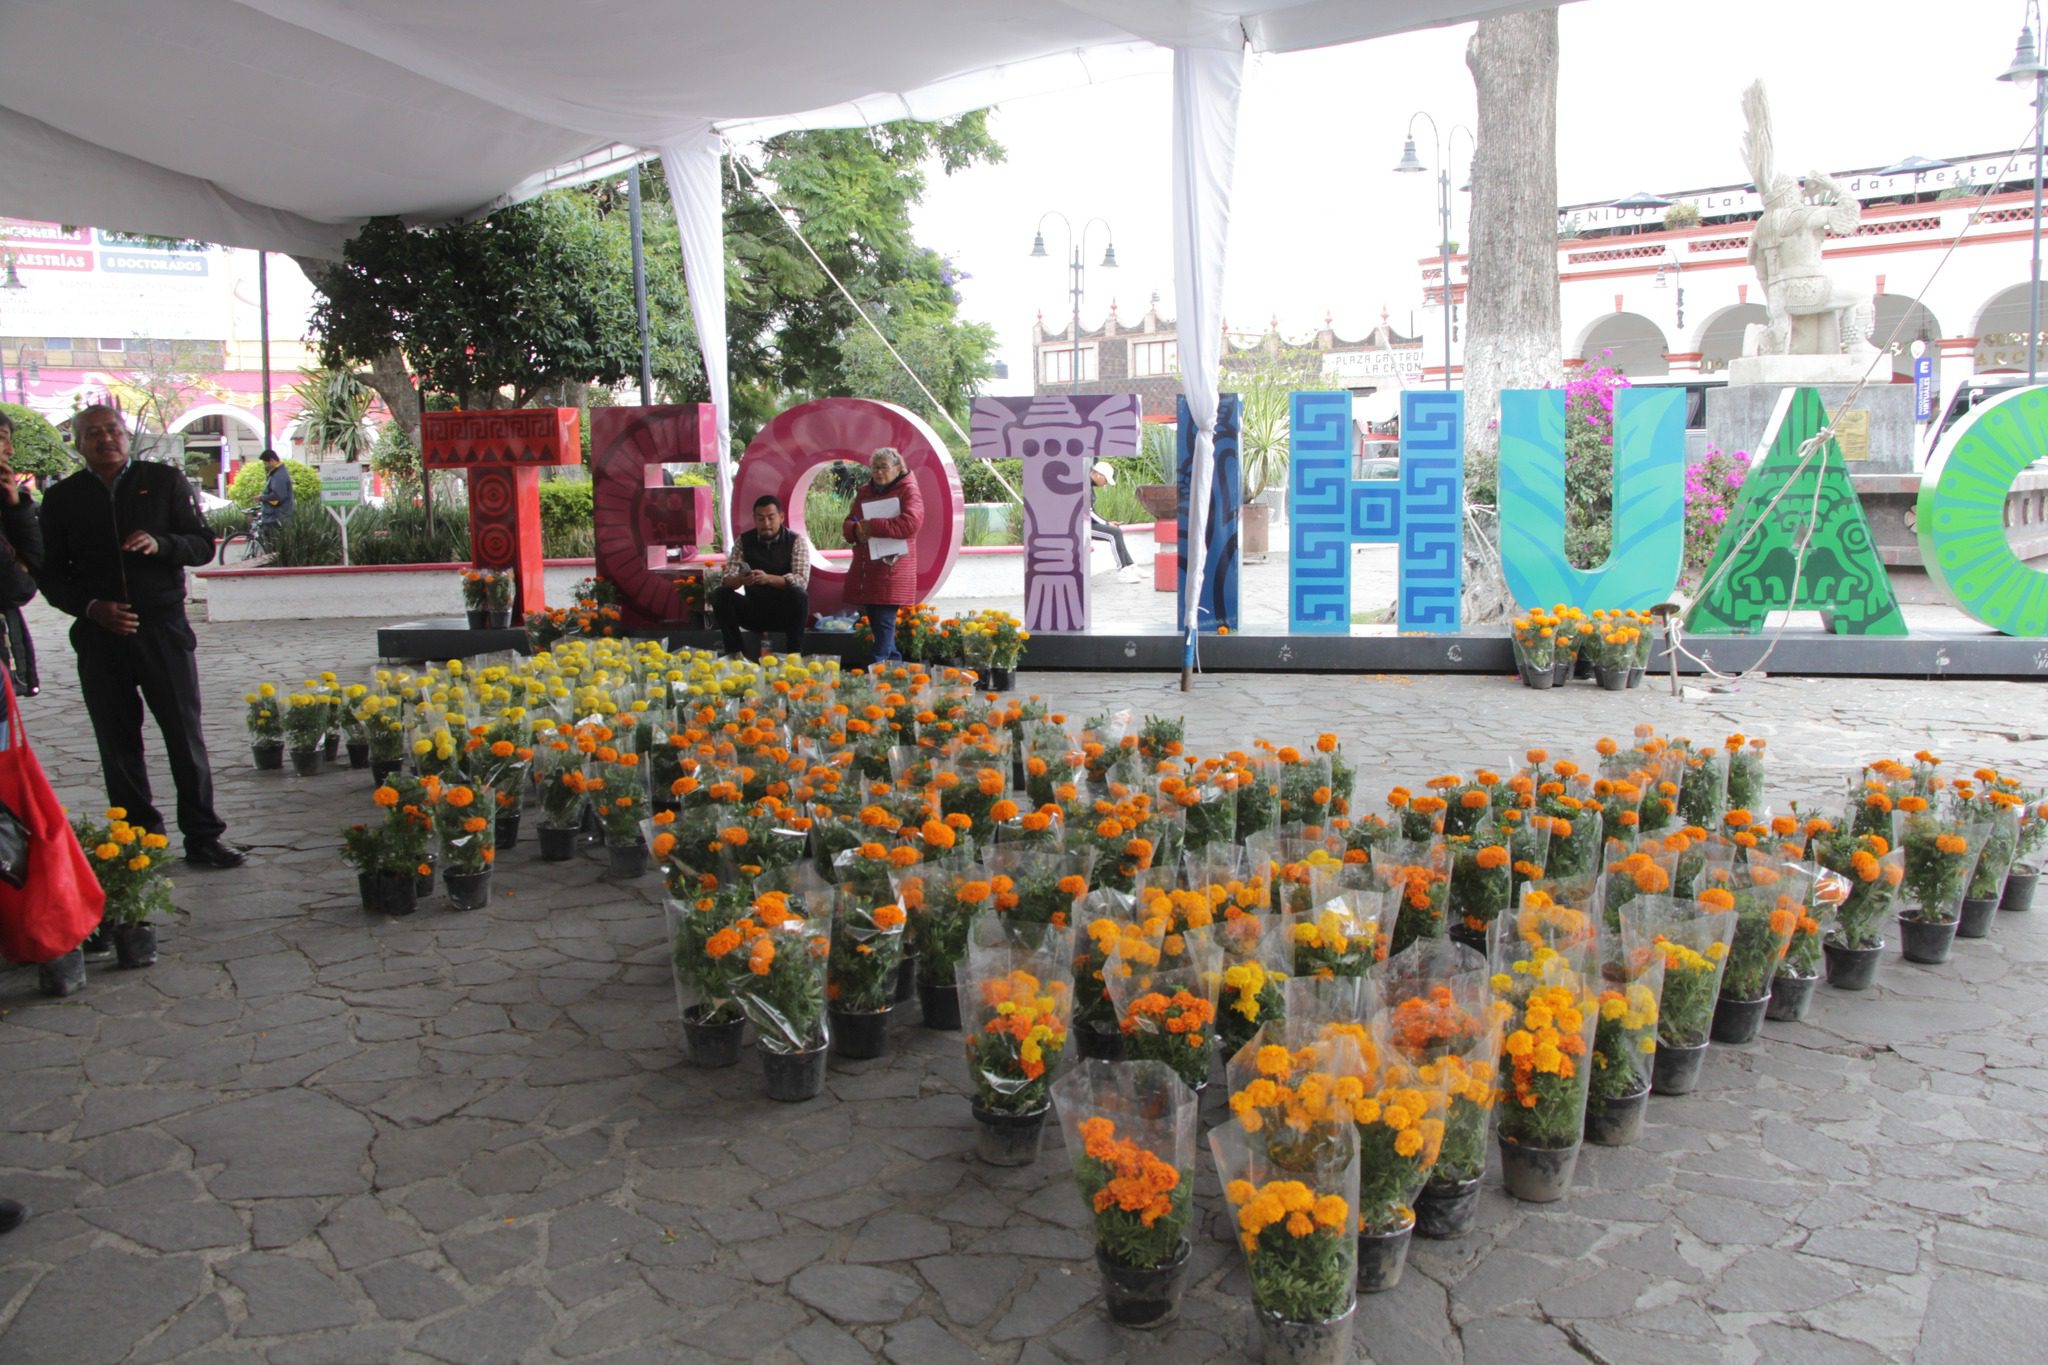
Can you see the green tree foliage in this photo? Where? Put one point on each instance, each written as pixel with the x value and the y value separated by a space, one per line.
pixel 249 479
pixel 397 459
pixel 1266 380
pixel 38 449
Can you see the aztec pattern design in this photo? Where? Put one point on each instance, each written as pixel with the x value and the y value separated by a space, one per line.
pixel 508 436
pixel 1218 605
pixel 788 453
pixel 1843 576
pixel 1057 439
pixel 638 516
pixel 1422 512
pixel 1648 544
pixel 1961 514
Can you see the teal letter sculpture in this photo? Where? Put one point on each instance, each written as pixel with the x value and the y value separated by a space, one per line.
pixel 1961 514
pixel 1648 544
pixel 1842 578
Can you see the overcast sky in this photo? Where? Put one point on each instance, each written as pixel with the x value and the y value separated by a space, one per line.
pixel 1648 99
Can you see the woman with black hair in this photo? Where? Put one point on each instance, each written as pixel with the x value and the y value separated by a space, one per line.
pixel 21 556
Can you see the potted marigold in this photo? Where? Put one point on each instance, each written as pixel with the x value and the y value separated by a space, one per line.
pixel 487 598
pixel 1998 810
pixel 1767 904
pixel 1257 957
pixel 942 897
pixel 1546 973
pixel 1018 980
pixel 1625 1039
pixel 1799 970
pixel 1168 1012
pixel 1130 1130
pixel 127 862
pixel 564 794
pixel 617 793
pixel 777 959
pixel 1400 1126
pixel 1611 645
pixel 385 856
pixel 860 974
pixel 1693 942
pixel 468 847
pixel 1298 1231
pixel 704 911
pixel 2025 876
pixel 1442 1020
pixel 382 718
pixel 265 720
pixel 305 729
pixel 1536 649
pixel 1941 851
pixel 1341 939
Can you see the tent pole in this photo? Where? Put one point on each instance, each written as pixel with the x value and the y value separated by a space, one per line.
pixel 263 310
pixel 640 284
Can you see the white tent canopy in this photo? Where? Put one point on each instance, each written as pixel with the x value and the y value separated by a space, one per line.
pixel 283 124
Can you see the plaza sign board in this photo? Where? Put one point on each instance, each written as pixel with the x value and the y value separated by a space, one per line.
pixel 1727 200
pixel 1375 364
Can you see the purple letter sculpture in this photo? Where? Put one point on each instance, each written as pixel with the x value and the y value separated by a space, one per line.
pixel 1058 439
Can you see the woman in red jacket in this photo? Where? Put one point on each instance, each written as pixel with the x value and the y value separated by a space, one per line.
pixel 879 584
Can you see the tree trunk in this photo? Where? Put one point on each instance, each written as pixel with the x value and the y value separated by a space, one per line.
pixel 1512 319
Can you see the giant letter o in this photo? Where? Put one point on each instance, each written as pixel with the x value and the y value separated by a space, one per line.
pixel 1961 514
pixel 789 450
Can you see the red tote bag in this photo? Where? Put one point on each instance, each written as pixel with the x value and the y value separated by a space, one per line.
pixel 60 903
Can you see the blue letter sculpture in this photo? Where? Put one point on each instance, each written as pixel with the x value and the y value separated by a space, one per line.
pixel 1226 499
pixel 1648 546
pixel 1423 512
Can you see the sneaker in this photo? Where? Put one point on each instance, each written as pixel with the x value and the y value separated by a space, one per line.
pixel 1130 573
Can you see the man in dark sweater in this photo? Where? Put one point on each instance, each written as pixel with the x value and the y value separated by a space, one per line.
pixel 767 584
pixel 117 537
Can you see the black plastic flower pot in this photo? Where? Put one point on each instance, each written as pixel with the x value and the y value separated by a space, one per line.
pixel 1610 679
pixel 506 834
pixel 1926 941
pixel 135 946
pixel 269 758
pixel 391 894
pixel 468 890
pixel 1537 1175
pixel 1002 679
pixel 906 979
pixel 305 762
pixel 1002 1139
pixel 62 976
pixel 382 768
pixel 859 1035
pixel 1635 677
pixel 1582 665
pixel 1791 995
pixel 359 753
pixel 1145 1297
pixel 1618 1121
pixel 794 1076
pixel 2019 887
pixel 1100 1044
pixel 1475 939
pixel 715 1044
pixel 1447 1208
pixel 1738 1021
pixel 557 845
pixel 1976 917
pixel 1532 676
pixel 1381 1256
pixel 1676 1070
pixel 1286 1341
pixel 1564 670
pixel 330 747
pixel 477 620
pixel 1851 969
pixel 940 1005
pixel 628 860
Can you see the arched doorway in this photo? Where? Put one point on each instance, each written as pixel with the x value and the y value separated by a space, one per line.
pixel 2001 329
pixel 219 439
pixel 1720 337
pixel 1902 320
pixel 1628 342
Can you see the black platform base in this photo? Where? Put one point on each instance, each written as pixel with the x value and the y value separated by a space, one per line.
pixel 1800 653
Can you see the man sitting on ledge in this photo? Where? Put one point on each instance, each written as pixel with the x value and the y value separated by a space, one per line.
pixel 767 585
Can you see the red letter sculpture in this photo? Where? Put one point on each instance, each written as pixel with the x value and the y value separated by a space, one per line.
pixel 503 452
pixel 639 518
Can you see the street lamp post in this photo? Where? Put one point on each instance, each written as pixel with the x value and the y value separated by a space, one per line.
pixel 1411 164
pixel 2027 65
pixel 1076 281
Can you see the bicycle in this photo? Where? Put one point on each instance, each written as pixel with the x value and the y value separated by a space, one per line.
pixel 250 543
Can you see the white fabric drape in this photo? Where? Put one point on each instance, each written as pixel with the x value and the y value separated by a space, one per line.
pixel 1206 85
pixel 692 166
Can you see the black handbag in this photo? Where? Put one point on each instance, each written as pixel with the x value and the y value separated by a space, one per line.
pixel 13 848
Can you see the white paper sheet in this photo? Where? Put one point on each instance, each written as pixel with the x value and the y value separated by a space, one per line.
pixel 881 509
pixel 887 549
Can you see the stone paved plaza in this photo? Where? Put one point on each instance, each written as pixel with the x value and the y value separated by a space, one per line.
pixel 306 1136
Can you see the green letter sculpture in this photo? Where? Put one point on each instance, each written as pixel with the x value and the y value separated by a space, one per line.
pixel 1648 544
pixel 1843 576
pixel 1961 514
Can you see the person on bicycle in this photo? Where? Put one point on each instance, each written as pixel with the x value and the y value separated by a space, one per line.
pixel 274 506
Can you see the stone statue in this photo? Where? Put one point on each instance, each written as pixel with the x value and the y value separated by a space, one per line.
pixel 1811 313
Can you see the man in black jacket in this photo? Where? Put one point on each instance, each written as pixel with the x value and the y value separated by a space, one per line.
pixel 117 537
pixel 767 584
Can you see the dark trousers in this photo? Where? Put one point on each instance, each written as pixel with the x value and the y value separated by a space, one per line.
pixel 764 609
pixel 882 622
pixel 119 674
pixel 1098 529
pixel 20 651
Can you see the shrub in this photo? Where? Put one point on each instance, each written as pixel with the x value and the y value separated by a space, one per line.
pixel 1589 463
pixel 38 449
pixel 1712 488
pixel 565 507
pixel 248 485
pixel 394 534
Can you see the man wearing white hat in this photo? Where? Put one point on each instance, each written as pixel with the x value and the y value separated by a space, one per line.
pixel 1102 476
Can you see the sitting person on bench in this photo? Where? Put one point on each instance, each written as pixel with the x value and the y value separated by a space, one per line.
pixel 767 584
